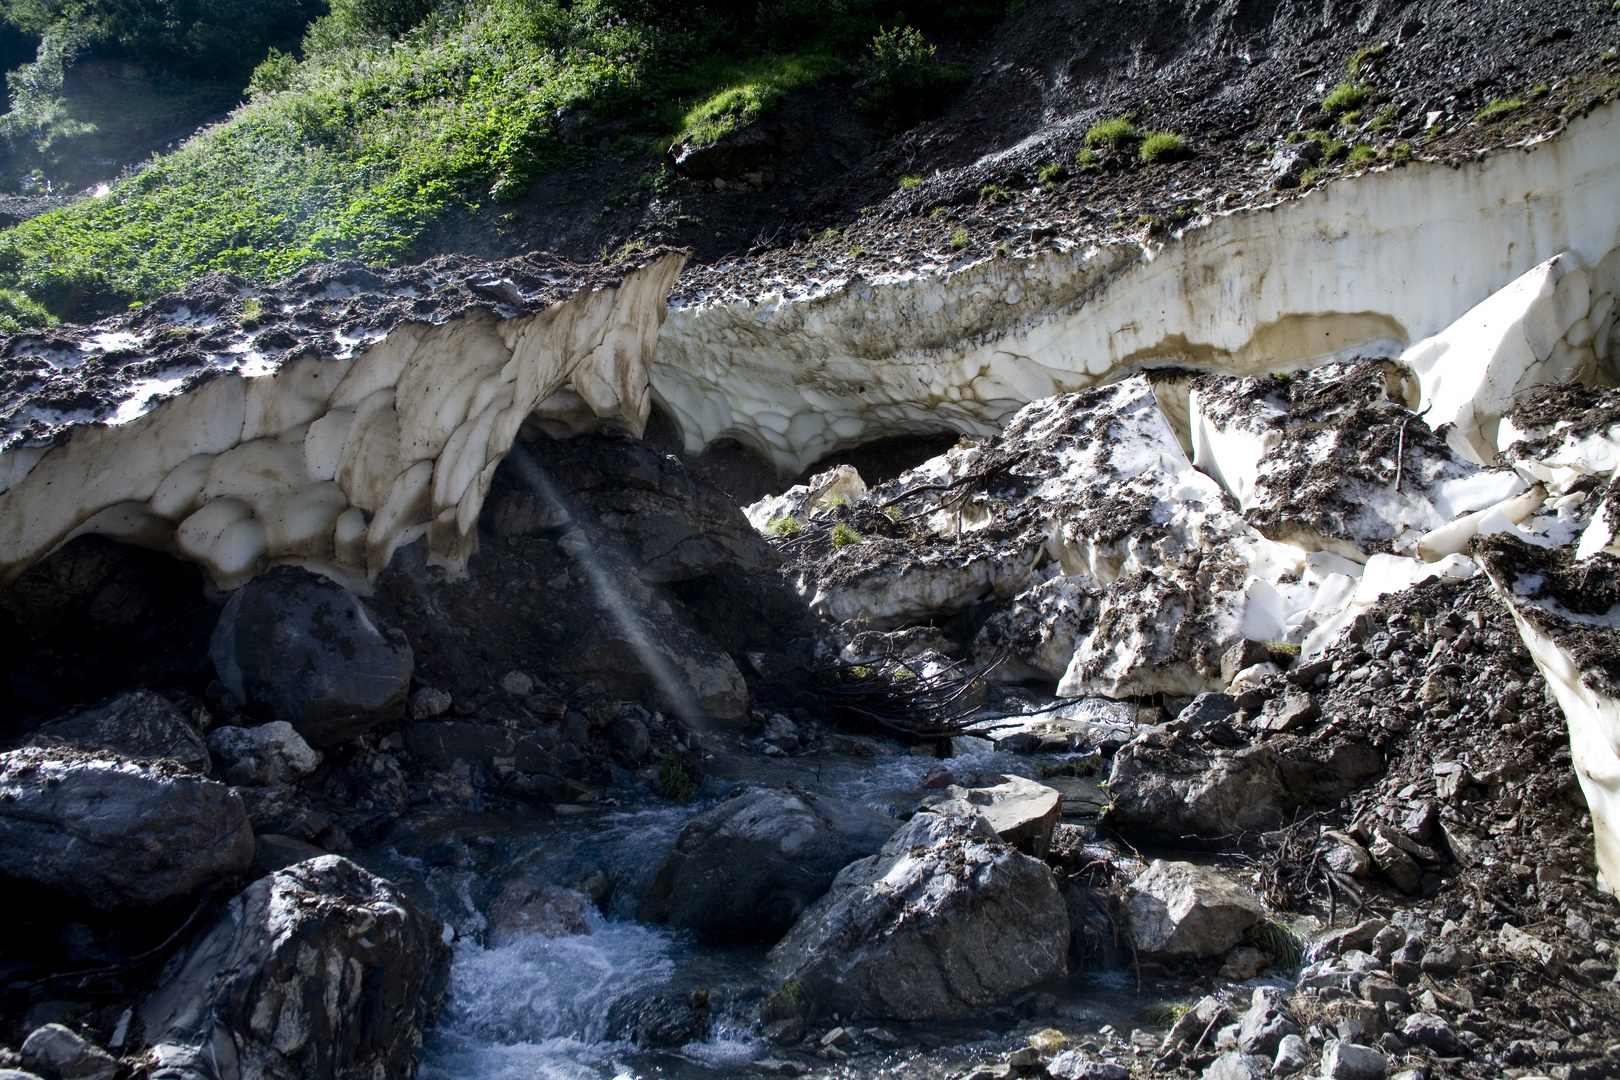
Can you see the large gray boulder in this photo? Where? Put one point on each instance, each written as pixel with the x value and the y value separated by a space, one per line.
pixel 1178 910
pixel 747 868
pixel 318 971
pixel 944 920
pixel 261 756
pixel 114 832
pixel 1022 812
pixel 292 646
pixel 139 724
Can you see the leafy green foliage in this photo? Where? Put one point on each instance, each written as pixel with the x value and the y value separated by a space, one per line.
pixel 1499 108
pixel 785 527
pixel 1117 134
pixel 900 81
pixel 843 536
pixel 1346 97
pixel 754 90
pixel 18 312
pixel 1162 146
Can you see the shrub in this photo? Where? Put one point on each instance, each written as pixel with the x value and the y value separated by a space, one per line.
pixel 674 782
pixel 18 313
pixel 843 536
pixel 901 83
pixel 785 527
pixel 959 239
pixel 388 17
pixel 1163 146
pixel 1117 134
pixel 1088 160
pixel 1345 97
pixel 1277 941
pixel 910 181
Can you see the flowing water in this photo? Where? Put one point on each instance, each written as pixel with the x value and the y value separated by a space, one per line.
pixel 538 1007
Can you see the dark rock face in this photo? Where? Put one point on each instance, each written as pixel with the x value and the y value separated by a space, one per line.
pixel 117 833
pixel 294 647
pixel 658 1019
pixel 747 868
pixel 528 907
pixel 318 971
pixel 139 724
pixel 945 920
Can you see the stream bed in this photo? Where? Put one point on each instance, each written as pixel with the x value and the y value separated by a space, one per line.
pixel 539 1007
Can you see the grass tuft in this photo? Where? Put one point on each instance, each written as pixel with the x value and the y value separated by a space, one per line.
pixel 1499 108
pixel 1277 941
pixel 1162 146
pixel 785 527
pixel 1346 97
pixel 674 782
pixel 843 536
pixel 959 239
pixel 1117 134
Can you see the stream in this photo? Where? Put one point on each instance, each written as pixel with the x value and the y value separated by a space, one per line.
pixel 538 1007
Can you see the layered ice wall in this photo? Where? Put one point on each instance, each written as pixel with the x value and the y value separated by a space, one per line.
pixel 1379 264
pixel 335 462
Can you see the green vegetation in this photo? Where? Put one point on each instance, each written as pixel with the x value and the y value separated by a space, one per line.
pixel 1362 153
pixel 1117 134
pixel 785 527
pixel 1277 941
pixel 1346 97
pixel 1164 1014
pixel 1088 160
pixel 1051 172
pixel 1003 249
pixel 911 181
pixel 251 309
pixel 993 193
pixel 674 782
pixel 393 116
pixel 1161 146
pixel 1366 60
pixel 959 239
pixel 1499 108
pixel 18 312
pixel 843 536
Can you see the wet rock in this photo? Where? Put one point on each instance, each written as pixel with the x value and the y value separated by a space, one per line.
pixel 1176 909
pixel 1078 1065
pixel 272 753
pixel 657 1019
pixel 1022 812
pixel 1360 936
pixel 1201 1021
pixel 1344 854
pixel 749 866
pixel 937 778
pixel 526 907
pixel 294 647
pixel 1266 1024
pixel 946 919
pixel 319 970
pixel 139 724
pixel 113 832
pixel 1235 1066
pixel 1344 1060
pixel 701 678
pixel 1171 790
pixel 1207 708
pixel 60 1052
pixel 1243 963
pixel 272 852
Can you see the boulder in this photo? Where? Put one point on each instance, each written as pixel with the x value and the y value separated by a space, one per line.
pixel 944 920
pixel 272 753
pixel 1022 812
pixel 1266 1024
pixel 1179 910
pixel 528 907
pixel 659 1019
pixel 747 868
pixel 318 971
pixel 113 832
pixel 139 724
pixel 1077 1065
pixel 292 646
pixel 59 1051
pixel 1345 1060
pixel 1206 708
pixel 1293 1054
pixel 1235 1066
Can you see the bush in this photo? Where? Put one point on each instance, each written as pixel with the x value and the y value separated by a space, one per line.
pixel 389 17
pixel 1345 97
pixel 901 83
pixel 1163 146
pixel 753 91
pixel 959 239
pixel 843 536
pixel 1117 134
pixel 18 313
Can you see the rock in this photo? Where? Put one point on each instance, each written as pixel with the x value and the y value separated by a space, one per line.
pixel 1343 1060
pixel 139 724
pixel 944 920
pixel 1382 991
pixel 428 703
pixel 58 1051
pixel 1243 962
pixel 1266 1024
pixel 748 867
pixel 629 740
pixel 517 684
pixel 1209 1015
pixel 1022 812
pixel 657 1019
pixel 1443 960
pixel 1206 708
pixel 272 753
pixel 937 778
pixel 1293 1054
pixel 17 1074
pixel 1401 869
pixel 1529 949
pixel 113 832
pixel 318 970
pixel 272 852
pixel 1294 711
pixel 292 646
pixel 1172 791
pixel 838 1036
pixel 1343 854
pixel 1176 909
pixel 1360 936
pixel 526 907
pixel 1242 656
pixel 1235 1066
pixel 1076 1065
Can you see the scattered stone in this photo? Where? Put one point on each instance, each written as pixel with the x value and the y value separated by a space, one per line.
pixel 1527 948
pixel 1176 909
pixel 1294 711
pixel 1266 1024
pixel 526 907
pixel 139 724
pixel 937 778
pixel 1344 1060
pixel 321 969
pixel 61 1052
pixel 1235 1066
pixel 1293 1054
pixel 292 646
pixel 1022 812
pixel 1078 1065
pixel 429 702
pixel 272 753
pixel 748 867
pixel 1401 869
pixel 112 832
pixel 944 920
pixel 838 1036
